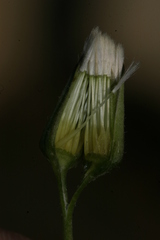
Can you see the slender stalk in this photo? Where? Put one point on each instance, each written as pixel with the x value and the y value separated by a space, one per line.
pixel 68 208
pixel 63 192
pixel 68 229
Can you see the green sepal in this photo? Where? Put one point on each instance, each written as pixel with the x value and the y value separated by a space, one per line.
pixel 118 129
pixel 98 164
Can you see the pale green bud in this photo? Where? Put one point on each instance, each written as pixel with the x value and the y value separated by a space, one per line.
pixel 90 116
pixel 60 143
pixel 104 131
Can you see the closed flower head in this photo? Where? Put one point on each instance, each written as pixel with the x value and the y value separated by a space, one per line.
pixel 90 118
pixel 103 63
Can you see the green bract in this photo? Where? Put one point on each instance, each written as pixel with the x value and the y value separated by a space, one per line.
pixel 104 132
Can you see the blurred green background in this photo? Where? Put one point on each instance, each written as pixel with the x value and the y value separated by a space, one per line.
pixel 40 43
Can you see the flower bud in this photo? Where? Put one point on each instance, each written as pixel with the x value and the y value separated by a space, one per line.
pixel 60 141
pixel 90 115
pixel 104 132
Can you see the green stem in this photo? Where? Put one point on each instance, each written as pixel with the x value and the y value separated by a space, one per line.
pixel 67 209
pixel 63 191
pixel 68 232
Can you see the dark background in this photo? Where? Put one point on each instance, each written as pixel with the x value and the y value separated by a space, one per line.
pixel 40 43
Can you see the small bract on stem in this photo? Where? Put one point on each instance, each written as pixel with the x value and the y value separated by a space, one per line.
pixel 90 119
